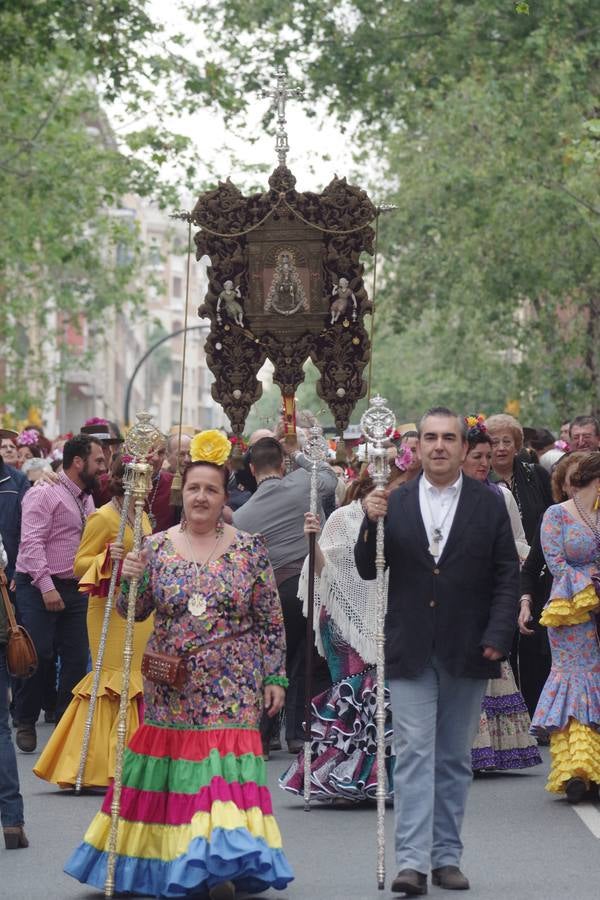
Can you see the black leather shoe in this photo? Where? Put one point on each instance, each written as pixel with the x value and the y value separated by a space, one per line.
pixel 26 738
pixel 15 837
pixel 409 881
pixel 450 878
pixel 576 790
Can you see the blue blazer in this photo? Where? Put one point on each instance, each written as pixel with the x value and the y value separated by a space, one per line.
pixel 455 607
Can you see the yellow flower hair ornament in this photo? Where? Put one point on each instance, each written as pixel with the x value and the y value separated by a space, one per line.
pixel 210 446
pixel 475 426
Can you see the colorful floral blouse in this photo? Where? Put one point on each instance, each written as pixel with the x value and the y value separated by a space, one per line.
pixel 572 555
pixel 231 650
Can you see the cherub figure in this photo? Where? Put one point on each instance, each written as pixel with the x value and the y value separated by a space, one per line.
pixel 229 298
pixel 343 296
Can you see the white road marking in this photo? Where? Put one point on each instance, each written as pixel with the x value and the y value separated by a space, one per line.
pixel 590 816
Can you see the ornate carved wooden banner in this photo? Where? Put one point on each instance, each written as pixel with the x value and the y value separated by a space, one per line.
pixel 285 283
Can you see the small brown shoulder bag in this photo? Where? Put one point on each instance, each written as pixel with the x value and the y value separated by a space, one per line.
pixel 21 655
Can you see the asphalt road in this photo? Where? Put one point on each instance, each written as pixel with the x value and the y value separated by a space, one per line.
pixel 520 843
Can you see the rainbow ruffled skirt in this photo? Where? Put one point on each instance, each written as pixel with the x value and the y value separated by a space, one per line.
pixel 195 811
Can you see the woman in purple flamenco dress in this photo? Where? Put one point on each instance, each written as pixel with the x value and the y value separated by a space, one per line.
pixel 503 741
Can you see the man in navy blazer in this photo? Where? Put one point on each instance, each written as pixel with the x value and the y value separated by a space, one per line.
pixel 452 611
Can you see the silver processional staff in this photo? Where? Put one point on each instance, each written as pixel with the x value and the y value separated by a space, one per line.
pixel 141 441
pixel 376 424
pixel 315 449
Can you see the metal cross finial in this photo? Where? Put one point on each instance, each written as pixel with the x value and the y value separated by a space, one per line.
pixel 279 95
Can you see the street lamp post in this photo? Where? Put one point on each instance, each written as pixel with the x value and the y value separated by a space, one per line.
pixel 148 353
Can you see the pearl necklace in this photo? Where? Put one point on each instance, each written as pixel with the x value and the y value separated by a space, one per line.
pixel 593 526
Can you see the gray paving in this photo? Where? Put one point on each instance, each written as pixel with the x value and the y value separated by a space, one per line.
pixel 521 843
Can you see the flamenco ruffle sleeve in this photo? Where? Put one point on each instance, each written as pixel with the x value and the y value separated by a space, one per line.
pixel 93 563
pixel 96 579
pixel 573 596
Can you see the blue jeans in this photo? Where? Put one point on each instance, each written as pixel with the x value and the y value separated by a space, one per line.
pixel 64 632
pixel 11 802
pixel 435 717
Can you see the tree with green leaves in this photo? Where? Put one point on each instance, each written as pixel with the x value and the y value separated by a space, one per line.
pixel 481 124
pixel 66 254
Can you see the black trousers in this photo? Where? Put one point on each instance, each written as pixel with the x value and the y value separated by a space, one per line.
pixel 65 632
pixel 295 637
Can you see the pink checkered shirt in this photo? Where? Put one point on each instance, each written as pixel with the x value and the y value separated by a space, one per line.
pixel 53 516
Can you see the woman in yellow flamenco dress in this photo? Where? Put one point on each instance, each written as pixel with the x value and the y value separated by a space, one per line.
pixel 569 706
pixel 59 762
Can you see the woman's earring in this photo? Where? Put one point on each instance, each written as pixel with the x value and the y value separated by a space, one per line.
pixel 597 502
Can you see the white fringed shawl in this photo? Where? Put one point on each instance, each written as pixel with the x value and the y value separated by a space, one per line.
pixel 350 601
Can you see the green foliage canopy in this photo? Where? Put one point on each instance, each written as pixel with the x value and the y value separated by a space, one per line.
pixel 481 124
pixel 66 255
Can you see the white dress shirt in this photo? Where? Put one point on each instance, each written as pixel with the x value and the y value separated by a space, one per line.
pixel 438 507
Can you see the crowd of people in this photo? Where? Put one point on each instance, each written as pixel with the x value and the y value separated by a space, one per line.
pixel 492 546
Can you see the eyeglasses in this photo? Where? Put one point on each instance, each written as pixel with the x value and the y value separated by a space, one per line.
pixel 503 442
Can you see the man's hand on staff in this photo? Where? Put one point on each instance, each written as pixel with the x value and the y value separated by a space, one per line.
pixel 134 565
pixel 376 505
pixel 312 523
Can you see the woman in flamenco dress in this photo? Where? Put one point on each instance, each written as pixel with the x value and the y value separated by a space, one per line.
pixel 569 707
pixel 98 552
pixel 503 741
pixel 195 815
pixel 343 726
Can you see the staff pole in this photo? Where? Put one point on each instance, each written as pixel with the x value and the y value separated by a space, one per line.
pixel 85 746
pixel 315 450
pixel 141 441
pixel 376 424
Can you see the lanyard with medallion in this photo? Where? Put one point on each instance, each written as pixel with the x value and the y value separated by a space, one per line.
pixel 437 531
pixel 197 602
